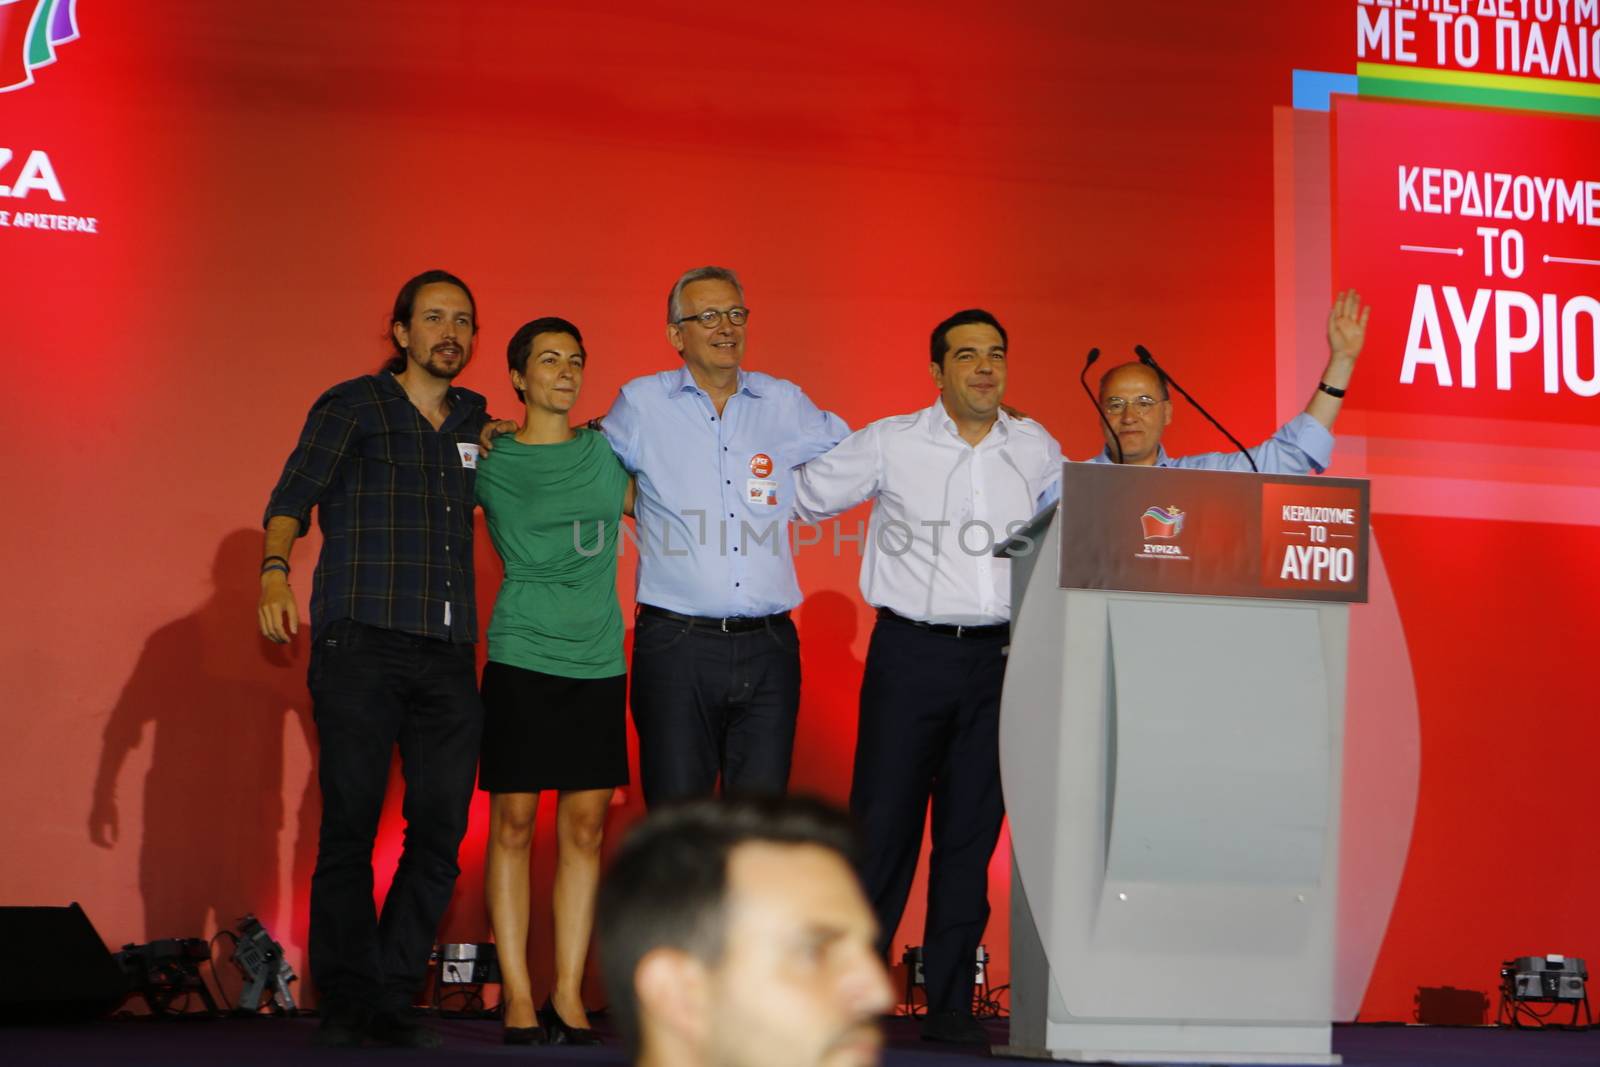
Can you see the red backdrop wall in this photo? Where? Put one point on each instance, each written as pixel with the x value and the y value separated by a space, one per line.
pixel 262 179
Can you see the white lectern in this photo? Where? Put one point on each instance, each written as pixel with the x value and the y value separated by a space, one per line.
pixel 1170 746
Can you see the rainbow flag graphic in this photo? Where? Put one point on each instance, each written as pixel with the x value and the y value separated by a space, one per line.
pixel 1519 91
pixel 1161 522
pixel 30 33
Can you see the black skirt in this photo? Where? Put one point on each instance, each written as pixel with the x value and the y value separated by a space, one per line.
pixel 543 731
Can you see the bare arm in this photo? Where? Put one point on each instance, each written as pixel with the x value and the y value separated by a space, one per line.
pixel 1347 331
pixel 276 613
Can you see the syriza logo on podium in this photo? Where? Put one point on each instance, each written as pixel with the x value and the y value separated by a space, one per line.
pixel 30 33
pixel 1161 527
pixel 1160 522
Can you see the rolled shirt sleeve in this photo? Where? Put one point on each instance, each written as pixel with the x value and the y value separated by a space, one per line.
pixel 1300 446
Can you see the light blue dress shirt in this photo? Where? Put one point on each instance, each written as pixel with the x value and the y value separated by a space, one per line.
pixel 715 492
pixel 1301 446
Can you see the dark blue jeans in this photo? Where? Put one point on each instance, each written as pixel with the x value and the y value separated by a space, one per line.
pixel 709 704
pixel 373 689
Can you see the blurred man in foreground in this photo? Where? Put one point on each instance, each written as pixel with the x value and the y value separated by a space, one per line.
pixel 736 935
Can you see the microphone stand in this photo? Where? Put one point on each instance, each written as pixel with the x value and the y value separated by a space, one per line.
pixel 1083 380
pixel 1150 361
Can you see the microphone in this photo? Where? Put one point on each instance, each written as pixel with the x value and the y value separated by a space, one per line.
pixel 1083 380
pixel 1150 361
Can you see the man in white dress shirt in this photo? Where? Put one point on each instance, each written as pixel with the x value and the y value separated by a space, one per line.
pixel 947 483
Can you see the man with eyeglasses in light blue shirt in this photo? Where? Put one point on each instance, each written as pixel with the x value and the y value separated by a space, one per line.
pixel 715 684
pixel 1138 408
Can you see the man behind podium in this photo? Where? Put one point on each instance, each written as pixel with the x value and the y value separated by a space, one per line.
pixel 1138 408
pixel 947 483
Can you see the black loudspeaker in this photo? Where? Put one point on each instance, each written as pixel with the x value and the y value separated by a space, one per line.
pixel 54 967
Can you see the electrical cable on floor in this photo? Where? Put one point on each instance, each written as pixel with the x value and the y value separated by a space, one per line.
pixel 211 958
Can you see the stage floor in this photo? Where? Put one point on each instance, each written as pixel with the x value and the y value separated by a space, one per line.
pixel 206 1042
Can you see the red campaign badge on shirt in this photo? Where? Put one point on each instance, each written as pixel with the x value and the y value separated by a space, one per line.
pixel 761 465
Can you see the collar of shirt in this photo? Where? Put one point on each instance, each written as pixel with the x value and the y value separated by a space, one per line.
pixel 1162 459
pixel 683 382
pixel 941 425
pixel 462 401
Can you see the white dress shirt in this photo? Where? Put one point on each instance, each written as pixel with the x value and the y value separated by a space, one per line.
pixel 940 505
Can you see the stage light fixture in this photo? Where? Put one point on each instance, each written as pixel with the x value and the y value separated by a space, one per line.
pixel 467 964
pixel 912 960
pixel 164 971
pixel 1553 979
pixel 266 973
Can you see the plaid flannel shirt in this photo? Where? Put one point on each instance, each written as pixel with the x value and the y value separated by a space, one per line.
pixel 394 500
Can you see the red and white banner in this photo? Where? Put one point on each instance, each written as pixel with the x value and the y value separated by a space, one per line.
pixel 1478 232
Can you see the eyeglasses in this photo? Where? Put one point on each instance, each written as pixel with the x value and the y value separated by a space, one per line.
pixel 711 318
pixel 1116 405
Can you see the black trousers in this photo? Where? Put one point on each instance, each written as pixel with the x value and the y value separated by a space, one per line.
pixel 709 704
pixel 372 689
pixel 930 730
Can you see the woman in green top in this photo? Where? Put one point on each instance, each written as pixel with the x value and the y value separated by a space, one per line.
pixel 555 685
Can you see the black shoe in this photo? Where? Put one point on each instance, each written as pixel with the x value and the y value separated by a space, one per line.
pixel 954 1028
pixel 524 1035
pixel 401 1031
pixel 559 1033
pixel 340 1031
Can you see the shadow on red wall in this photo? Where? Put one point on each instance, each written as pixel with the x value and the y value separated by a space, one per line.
pixel 215 701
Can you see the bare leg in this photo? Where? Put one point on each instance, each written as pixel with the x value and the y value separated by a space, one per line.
pixel 505 885
pixel 580 825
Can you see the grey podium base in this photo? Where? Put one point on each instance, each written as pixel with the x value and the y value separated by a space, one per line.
pixel 1127 1042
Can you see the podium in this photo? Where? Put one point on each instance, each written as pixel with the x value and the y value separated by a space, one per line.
pixel 1171 738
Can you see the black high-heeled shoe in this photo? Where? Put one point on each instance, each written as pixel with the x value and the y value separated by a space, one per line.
pixel 525 1035
pixel 559 1033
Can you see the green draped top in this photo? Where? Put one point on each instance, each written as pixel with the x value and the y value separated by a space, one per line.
pixel 553 513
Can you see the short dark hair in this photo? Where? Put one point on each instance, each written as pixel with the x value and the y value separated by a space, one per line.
pixel 668 882
pixel 1161 378
pixel 405 303
pixel 520 347
pixel 939 344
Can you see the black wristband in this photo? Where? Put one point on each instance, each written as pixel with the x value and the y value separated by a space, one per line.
pixel 268 564
pixel 1330 390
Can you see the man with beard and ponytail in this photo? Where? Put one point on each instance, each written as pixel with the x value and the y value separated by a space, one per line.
pixel 389 461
